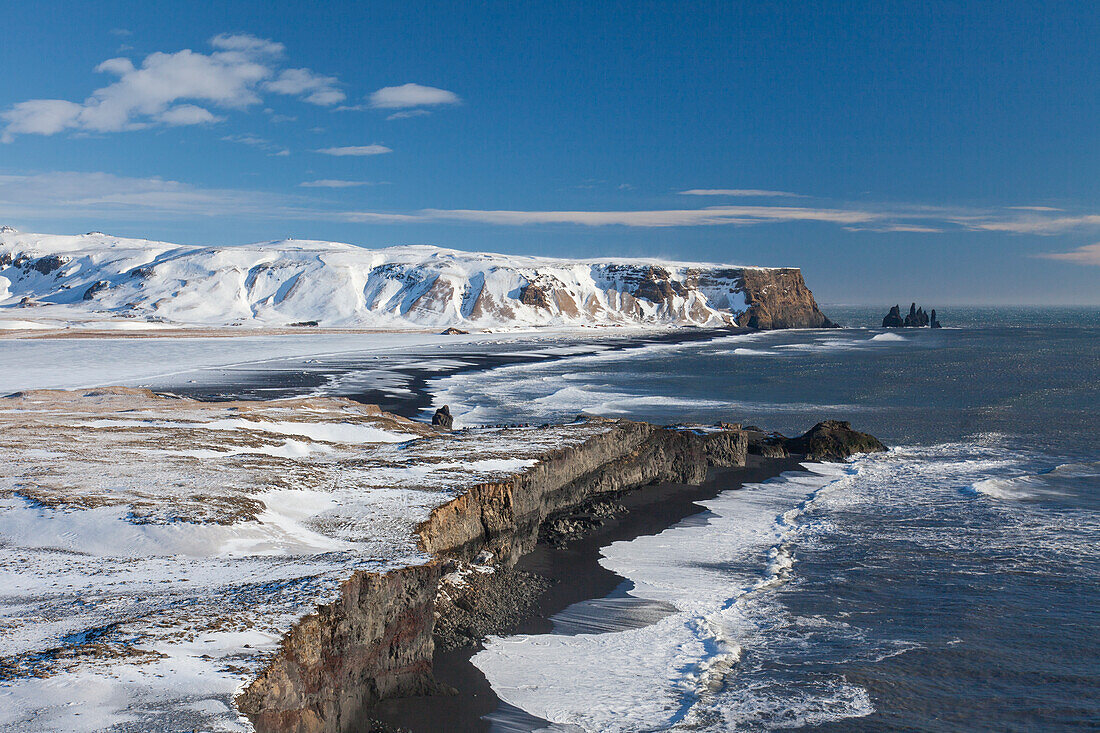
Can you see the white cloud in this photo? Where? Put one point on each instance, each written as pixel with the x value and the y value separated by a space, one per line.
pixel 738 192
pixel 247 44
pixel 313 87
pixel 356 150
pixel 411 95
pixel 121 32
pixel 174 89
pixel 1086 255
pixel 39 117
pixel 331 183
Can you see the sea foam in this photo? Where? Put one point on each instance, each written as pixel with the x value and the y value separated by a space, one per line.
pixel 675 670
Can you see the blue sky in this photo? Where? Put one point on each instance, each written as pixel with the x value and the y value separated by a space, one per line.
pixel 931 151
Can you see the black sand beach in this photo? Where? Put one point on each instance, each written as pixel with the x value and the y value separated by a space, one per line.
pixel 407 371
pixel 575 575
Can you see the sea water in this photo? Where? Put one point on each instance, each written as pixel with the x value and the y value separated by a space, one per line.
pixel 952 583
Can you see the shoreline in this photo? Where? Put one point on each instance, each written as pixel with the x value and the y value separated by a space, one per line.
pixel 414 396
pixel 575 575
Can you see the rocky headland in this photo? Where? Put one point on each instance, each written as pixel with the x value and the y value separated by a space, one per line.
pixel 96 278
pixel 377 641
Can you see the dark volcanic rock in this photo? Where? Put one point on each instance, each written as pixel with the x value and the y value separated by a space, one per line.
pixel 489 600
pixel 915 318
pixel 560 528
pixel 452 331
pixel 442 418
pixel 893 318
pixel 834 440
pixel 768 445
pixel 935 323
pixel 96 287
pixel 48 264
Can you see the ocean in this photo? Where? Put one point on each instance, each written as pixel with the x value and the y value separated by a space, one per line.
pixel 952 583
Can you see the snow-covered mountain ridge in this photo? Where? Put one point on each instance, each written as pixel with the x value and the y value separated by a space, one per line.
pixel 333 284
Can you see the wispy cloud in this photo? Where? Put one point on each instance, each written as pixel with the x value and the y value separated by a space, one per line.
pixel 407 113
pixel 1087 255
pixel 60 196
pixel 258 142
pixel 333 183
pixel 174 89
pixel 912 228
pixel 63 194
pixel 1030 223
pixel 717 215
pixel 356 150
pixel 734 192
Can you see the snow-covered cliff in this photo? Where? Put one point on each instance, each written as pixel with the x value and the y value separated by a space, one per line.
pixel 333 284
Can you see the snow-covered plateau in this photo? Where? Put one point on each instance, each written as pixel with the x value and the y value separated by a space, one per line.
pixel 154 551
pixel 105 282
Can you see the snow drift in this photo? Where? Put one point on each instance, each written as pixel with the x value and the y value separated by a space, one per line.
pixel 295 282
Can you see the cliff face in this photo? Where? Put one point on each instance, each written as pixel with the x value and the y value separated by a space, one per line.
pixel 779 298
pixel 332 284
pixel 376 640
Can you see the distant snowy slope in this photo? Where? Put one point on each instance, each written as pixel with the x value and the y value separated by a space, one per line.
pixel 281 283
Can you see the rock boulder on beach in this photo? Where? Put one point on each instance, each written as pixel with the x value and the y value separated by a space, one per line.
pixel 442 418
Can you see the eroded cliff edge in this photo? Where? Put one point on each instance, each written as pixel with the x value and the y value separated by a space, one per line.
pixel 376 640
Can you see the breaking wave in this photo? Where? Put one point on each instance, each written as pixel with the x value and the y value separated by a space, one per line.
pixel 1066 479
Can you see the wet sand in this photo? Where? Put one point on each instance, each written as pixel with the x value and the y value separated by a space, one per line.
pixel 576 575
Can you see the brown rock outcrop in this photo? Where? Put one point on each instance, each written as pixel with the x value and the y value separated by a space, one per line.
pixel 375 641
pixel 779 298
